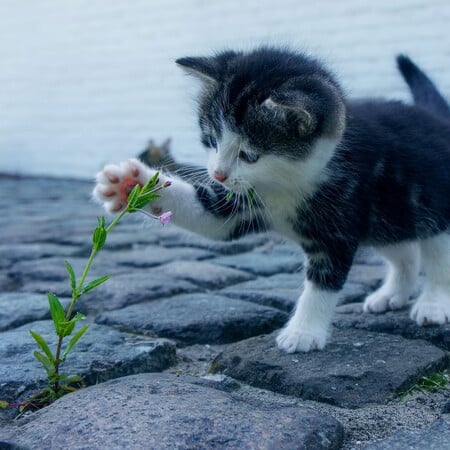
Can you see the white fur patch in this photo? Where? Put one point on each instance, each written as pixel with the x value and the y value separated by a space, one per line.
pixel 309 327
pixel 279 182
pixel 403 268
pixel 433 305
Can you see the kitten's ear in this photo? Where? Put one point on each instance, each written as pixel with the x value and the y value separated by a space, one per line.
pixel 203 68
pixel 306 122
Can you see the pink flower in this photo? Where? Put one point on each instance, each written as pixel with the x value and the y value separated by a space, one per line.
pixel 165 217
pixel 167 183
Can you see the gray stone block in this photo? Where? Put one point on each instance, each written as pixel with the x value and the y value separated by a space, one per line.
pixel 7 283
pixel 196 319
pixel 165 412
pixel 59 288
pixel 201 273
pixel 177 237
pixel 135 287
pixel 262 264
pixel 151 256
pixel 278 291
pixel 433 437
pixel 21 252
pixel 54 268
pixel 356 368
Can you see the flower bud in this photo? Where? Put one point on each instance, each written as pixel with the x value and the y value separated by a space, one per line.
pixel 165 217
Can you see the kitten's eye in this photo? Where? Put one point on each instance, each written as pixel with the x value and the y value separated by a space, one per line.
pixel 209 141
pixel 249 158
pixel 212 142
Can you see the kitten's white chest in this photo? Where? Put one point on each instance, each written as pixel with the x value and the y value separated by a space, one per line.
pixel 283 212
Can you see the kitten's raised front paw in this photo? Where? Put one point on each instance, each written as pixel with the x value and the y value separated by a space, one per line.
pixel 431 309
pixel 292 339
pixel 115 182
pixel 385 299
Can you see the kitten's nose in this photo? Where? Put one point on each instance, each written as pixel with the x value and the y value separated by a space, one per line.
pixel 220 176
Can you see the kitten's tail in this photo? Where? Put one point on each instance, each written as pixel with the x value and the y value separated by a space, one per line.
pixel 424 92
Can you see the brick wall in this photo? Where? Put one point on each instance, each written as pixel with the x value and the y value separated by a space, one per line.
pixel 84 82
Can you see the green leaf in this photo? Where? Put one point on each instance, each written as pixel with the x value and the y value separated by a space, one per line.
pixel 67 327
pixel 73 280
pixel 78 316
pixel 48 365
pixel 94 283
pixel 101 222
pixel 150 183
pixel 3 404
pixel 74 340
pixel 70 378
pixel 229 196
pixel 74 379
pixel 44 346
pixel 56 311
pixel 144 199
pixel 99 237
pixel 133 195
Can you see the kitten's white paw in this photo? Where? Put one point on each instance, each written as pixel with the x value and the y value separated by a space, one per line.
pixel 292 339
pixel 115 182
pixel 384 299
pixel 432 309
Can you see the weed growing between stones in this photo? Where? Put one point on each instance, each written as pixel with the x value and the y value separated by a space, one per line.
pixel 65 322
pixel 431 383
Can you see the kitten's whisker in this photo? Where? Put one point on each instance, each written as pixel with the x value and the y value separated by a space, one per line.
pixel 266 215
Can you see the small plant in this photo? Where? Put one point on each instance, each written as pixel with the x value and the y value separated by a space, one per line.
pixel 65 321
pixel 432 383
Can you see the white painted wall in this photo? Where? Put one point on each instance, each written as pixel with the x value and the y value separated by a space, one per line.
pixel 84 82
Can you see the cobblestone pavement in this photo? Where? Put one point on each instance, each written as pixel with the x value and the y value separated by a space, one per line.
pixel 181 353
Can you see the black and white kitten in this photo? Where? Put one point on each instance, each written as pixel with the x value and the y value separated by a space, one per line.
pixel 329 174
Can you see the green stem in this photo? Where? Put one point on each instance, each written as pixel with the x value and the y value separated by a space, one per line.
pixel 117 219
pixel 87 267
pixel 76 295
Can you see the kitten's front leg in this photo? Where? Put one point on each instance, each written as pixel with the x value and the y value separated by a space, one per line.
pixel 193 207
pixel 309 327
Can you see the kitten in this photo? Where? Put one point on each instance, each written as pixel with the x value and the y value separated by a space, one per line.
pixel 329 174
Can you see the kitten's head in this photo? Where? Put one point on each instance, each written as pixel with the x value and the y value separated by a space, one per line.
pixel 263 111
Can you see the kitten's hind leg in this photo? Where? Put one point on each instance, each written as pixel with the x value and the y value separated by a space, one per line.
pixel 403 268
pixel 433 305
